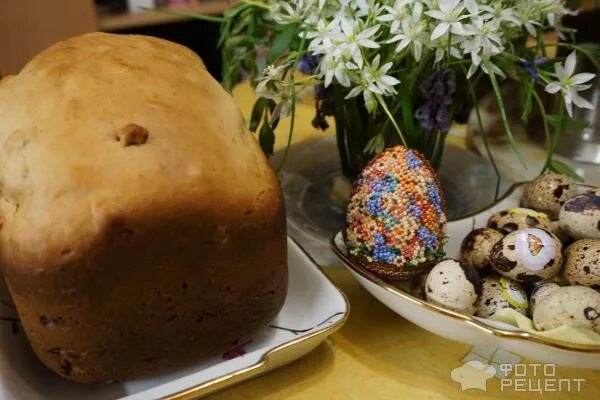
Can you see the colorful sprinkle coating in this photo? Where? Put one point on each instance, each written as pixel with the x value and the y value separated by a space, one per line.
pixel 396 215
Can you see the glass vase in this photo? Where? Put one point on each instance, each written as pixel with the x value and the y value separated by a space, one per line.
pixel 361 135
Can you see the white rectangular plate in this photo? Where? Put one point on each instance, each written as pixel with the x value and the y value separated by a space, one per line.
pixel 314 308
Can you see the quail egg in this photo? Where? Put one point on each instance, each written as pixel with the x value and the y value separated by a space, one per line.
pixel 576 306
pixel 499 293
pixel 476 247
pixel 582 263
pixel 580 217
pixel 540 291
pixel 507 221
pixel 548 192
pixel 527 255
pixel 454 285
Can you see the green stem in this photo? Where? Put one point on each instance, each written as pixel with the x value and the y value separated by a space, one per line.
pixel 340 117
pixel 557 132
pixel 438 149
pixel 407 112
pixel 542 109
pixel 293 105
pixel 391 117
pixel 500 102
pixel 483 136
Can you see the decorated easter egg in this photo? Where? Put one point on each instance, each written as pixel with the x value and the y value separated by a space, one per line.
pixel 396 217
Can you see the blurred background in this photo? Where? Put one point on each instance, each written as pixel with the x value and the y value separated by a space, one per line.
pixel 29 26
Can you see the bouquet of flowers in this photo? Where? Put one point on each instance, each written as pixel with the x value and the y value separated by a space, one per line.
pixel 399 71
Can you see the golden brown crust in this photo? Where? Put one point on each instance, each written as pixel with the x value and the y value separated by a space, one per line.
pixel 122 260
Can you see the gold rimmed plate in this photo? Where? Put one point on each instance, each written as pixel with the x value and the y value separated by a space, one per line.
pixel 465 328
pixel 314 309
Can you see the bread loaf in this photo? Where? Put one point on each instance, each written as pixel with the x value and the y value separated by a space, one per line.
pixel 142 228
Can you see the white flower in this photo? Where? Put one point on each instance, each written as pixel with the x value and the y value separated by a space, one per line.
pixel 483 38
pixel 373 79
pixel 334 65
pixel 271 86
pixel 529 15
pixel 449 14
pixel 368 8
pixel 441 47
pixel 269 83
pixel 499 13
pixel 569 84
pixel 352 39
pixel 554 10
pixel 396 13
pixel 487 66
pixel 321 36
pixel 411 31
pixel 283 13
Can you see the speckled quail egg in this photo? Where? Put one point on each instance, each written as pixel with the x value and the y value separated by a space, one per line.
pixel 576 306
pixel 499 293
pixel 507 221
pixel 476 247
pixel 527 255
pixel 582 263
pixel 540 291
pixel 454 285
pixel 580 217
pixel 548 192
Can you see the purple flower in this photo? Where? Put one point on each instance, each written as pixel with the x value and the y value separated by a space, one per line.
pixel 324 106
pixel 437 90
pixel 308 63
pixel 530 67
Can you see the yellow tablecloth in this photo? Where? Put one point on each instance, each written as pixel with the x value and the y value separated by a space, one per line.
pixel 378 354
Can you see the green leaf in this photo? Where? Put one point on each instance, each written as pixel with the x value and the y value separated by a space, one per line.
pixel 266 138
pixel 593 49
pixel 281 43
pixel 561 168
pixel 375 145
pixel 527 100
pixel 570 124
pixel 257 113
pixel 234 10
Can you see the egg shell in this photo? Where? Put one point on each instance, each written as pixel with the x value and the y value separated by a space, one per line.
pixel 512 219
pixel 527 255
pixel 396 216
pixel 548 192
pixel 575 306
pixel 476 247
pixel 541 290
pixel 454 285
pixel 580 217
pixel 499 293
pixel 582 263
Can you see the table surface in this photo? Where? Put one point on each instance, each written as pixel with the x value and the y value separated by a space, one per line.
pixel 377 354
